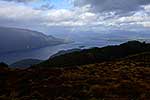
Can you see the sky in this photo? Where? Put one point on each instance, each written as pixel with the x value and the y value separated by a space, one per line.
pixel 66 16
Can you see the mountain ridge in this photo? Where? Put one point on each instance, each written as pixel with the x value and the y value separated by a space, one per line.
pixel 25 63
pixel 111 80
pixel 15 39
pixel 96 55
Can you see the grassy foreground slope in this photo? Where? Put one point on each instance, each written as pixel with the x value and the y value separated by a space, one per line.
pixel 123 79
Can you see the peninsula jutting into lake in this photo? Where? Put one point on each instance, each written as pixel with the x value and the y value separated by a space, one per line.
pixel 74 49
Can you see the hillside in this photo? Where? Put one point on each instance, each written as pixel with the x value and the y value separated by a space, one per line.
pixel 96 55
pixel 63 52
pixel 25 63
pixel 124 79
pixel 14 39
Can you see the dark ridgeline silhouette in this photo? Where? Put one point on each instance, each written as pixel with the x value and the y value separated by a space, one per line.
pixel 111 73
pixel 25 63
pixel 3 65
pixel 96 55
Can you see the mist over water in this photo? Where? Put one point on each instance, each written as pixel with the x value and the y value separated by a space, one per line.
pixel 45 52
pixel 86 40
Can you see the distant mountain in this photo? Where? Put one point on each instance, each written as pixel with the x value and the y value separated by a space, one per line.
pixel 25 63
pixel 62 52
pixel 3 65
pixel 3 68
pixel 121 35
pixel 114 35
pixel 96 55
pixel 14 39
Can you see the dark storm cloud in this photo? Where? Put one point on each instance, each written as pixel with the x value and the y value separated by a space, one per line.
pixel 119 6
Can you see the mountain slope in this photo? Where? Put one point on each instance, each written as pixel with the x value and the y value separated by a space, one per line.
pixel 13 39
pixel 124 79
pixel 63 52
pixel 25 63
pixel 96 55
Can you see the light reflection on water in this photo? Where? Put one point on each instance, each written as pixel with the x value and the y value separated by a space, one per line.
pixel 46 52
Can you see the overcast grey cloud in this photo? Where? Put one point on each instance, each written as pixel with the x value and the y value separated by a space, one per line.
pixel 91 15
pixel 22 0
pixel 118 6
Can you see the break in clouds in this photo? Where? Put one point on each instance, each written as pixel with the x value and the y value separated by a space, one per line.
pixel 82 15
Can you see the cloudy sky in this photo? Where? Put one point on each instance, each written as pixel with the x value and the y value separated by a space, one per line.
pixel 55 16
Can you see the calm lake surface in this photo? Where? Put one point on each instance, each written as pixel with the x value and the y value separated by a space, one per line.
pixel 45 52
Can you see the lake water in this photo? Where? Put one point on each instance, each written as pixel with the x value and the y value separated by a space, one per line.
pixel 45 52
